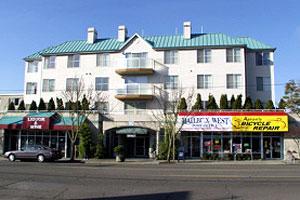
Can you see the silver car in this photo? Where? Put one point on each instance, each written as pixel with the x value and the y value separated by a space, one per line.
pixel 34 152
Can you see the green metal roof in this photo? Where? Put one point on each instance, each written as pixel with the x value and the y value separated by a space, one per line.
pixel 157 42
pixel 132 130
pixel 41 114
pixel 6 120
pixel 68 121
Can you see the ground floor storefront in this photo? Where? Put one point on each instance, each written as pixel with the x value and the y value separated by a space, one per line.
pixel 138 142
pixel 19 139
pixel 232 146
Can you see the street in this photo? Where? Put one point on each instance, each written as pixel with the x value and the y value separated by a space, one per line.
pixel 59 180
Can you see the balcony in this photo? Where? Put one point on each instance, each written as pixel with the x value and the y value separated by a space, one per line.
pixel 135 91
pixel 136 66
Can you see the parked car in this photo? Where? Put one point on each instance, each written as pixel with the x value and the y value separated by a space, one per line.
pixel 34 152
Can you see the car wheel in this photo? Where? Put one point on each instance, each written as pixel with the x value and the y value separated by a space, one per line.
pixel 12 157
pixel 41 158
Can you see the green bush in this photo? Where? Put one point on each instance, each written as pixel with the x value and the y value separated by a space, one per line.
pixel 119 150
pixel 100 150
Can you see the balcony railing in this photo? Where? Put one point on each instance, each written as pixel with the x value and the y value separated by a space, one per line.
pixel 138 91
pixel 136 66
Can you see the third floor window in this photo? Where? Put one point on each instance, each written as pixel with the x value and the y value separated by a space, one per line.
pixel 171 57
pixel 73 61
pixel 32 67
pixel 233 55
pixel 103 60
pixel 50 62
pixel 203 56
pixel 262 58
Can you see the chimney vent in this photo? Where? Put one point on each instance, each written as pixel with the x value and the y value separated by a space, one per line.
pixel 122 33
pixel 187 30
pixel 91 35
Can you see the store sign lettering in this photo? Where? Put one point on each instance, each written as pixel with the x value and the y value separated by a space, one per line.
pixel 233 123
pixel 36 123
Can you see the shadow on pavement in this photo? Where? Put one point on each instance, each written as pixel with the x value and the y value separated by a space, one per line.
pixel 184 195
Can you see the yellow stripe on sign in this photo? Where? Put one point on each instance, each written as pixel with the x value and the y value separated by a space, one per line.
pixel 260 123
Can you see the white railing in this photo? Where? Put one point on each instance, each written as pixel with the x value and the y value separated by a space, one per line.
pixel 136 89
pixel 137 63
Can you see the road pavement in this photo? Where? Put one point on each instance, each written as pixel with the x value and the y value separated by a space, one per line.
pixel 184 181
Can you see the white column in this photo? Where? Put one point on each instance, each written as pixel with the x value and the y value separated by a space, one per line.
pixel 19 140
pixel 66 144
pixel 157 142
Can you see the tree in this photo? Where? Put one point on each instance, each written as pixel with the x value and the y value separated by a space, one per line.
pixel 211 104
pixel 182 104
pixel 281 104
pixel 33 106
pixel 100 150
pixel 85 141
pixel 73 95
pixel 198 103
pixel 224 102
pixel 270 105
pixel 292 96
pixel 51 105
pixel 42 105
pixel 258 104
pixel 11 106
pixel 170 105
pixel 59 104
pixel 232 100
pixel 238 102
pixel 22 106
pixel 248 103
pixel 85 103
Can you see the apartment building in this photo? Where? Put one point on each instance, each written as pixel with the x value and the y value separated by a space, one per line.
pixel 131 70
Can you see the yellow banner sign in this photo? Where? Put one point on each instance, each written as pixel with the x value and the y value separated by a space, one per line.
pixel 260 123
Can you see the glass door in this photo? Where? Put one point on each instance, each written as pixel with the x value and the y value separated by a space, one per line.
pixel 140 147
pixel 276 147
pixel 267 147
pixel 195 147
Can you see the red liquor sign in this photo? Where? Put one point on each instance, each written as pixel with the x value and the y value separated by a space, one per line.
pixel 41 123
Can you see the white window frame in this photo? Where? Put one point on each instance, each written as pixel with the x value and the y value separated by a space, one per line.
pixel 50 62
pixel 204 56
pixel 233 55
pixel 206 82
pixel 103 84
pixel 31 87
pixel 48 85
pixel 74 61
pixel 171 82
pixel 32 67
pixel 103 60
pixel 235 83
pixel 72 84
pixel 171 57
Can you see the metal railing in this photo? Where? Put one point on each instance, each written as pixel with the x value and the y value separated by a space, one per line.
pixel 136 89
pixel 137 63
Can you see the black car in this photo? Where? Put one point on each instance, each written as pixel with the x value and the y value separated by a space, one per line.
pixel 34 152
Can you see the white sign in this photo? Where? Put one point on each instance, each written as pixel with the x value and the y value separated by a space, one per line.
pixel 131 135
pixel 205 123
pixel 35 126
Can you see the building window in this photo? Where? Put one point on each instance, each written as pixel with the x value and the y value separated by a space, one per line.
pixel 262 58
pixel 72 84
pixel 32 66
pixel 16 101
pixel 73 61
pixel 101 84
pixel 136 107
pixel 234 81
pixel 103 60
pixel 171 57
pixel 103 107
pixel 233 55
pixel 204 56
pixel 31 88
pixel 204 81
pixel 50 62
pixel 263 84
pixel 48 85
pixel 171 82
